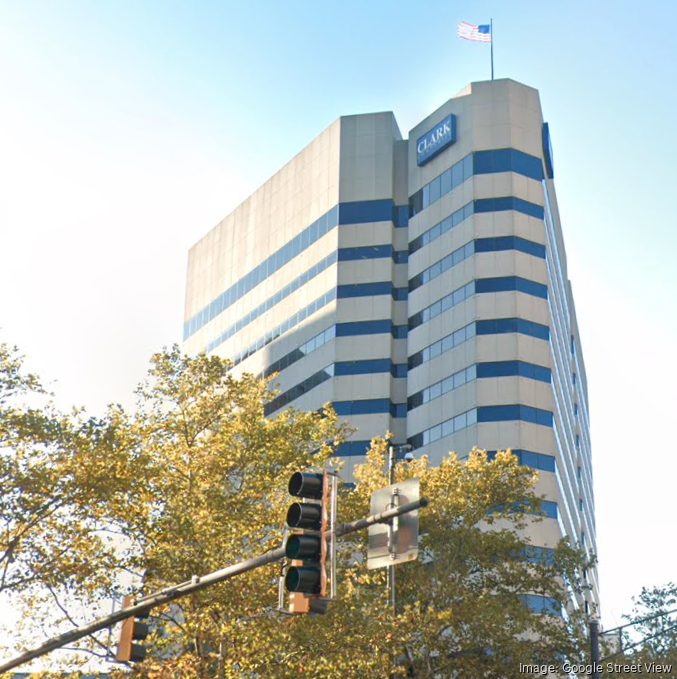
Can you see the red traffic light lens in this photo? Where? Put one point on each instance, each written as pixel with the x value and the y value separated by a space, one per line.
pixel 306 484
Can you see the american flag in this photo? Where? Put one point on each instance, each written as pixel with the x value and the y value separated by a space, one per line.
pixel 471 32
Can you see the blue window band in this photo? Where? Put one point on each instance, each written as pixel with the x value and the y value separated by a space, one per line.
pixel 378 327
pixel 508 160
pixel 447 302
pixel 447 224
pixel 478 286
pixel 370 366
pixel 501 243
pixel 397 370
pixel 284 327
pixel 377 365
pixel 373 252
pixel 495 326
pixel 281 400
pixel 367 211
pixel 370 406
pixel 478 162
pixel 352 448
pixel 446 428
pixel 339 330
pixel 514 369
pixel 478 415
pixel 497 244
pixel 353 328
pixel 365 252
pixel 258 274
pixel 372 289
pixel 510 284
pixel 442 346
pixel 539 461
pixel 478 371
pixel 514 411
pixel 542 604
pixel 522 326
pixel 481 205
pixel 273 300
pixel 549 508
pixel 534 460
pixel 441 185
pixel 505 203
pixel 302 351
pixel 337 369
pixel 370 252
pixel 458 379
pixel 536 554
pixel 442 265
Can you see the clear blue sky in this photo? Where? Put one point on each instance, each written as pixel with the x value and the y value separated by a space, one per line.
pixel 129 129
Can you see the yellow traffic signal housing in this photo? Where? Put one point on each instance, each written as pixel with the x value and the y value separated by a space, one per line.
pixel 133 629
pixel 307 546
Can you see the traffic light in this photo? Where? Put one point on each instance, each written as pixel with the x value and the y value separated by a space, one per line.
pixel 308 523
pixel 133 629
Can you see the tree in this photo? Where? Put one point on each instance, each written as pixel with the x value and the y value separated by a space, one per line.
pixel 464 600
pixel 648 639
pixel 58 484
pixel 195 479
pixel 191 481
pixel 215 492
pixel 461 608
pixel 65 479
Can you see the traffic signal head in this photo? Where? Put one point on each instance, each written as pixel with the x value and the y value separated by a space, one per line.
pixel 307 547
pixel 304 579
pixel 133 629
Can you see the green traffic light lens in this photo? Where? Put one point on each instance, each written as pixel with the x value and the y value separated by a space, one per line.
pixel 305 579
pixel 304 547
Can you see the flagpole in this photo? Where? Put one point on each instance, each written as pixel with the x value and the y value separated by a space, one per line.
pixel 491 33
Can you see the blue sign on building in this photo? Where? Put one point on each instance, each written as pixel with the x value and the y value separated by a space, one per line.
pixel 435 141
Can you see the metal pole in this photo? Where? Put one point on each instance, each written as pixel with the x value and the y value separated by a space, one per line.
pixel 391 568
pixel 194 585
pixel 382 517
pixel 594 649
pixel 491 33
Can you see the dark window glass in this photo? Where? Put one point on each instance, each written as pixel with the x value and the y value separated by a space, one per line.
pixel 363 328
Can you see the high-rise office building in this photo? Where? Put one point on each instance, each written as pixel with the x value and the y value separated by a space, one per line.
pixel 420 285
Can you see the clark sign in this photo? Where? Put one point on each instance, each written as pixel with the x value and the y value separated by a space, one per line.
pixel 435 141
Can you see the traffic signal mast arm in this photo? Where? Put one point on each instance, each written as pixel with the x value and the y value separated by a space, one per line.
pixel 194 585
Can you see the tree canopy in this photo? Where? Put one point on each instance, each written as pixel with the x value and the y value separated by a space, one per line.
pixel 649 638
pixel 194 479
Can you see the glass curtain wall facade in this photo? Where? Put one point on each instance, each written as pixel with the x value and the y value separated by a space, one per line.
pixel 420 286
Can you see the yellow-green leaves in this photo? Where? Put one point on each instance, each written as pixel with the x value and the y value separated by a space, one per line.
pixel 195 479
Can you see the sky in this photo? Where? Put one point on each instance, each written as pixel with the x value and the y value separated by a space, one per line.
pixel 129 129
